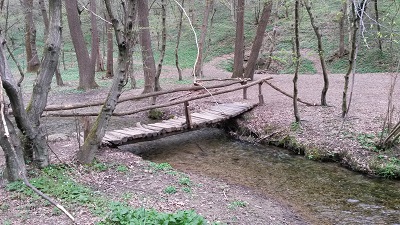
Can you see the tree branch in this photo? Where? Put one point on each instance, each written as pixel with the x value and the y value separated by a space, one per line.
pixel 290 96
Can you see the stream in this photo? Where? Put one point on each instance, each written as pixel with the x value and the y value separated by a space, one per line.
pixel 323 193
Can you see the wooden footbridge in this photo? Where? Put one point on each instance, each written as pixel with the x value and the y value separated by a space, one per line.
pixel 204 118
pixel 146 132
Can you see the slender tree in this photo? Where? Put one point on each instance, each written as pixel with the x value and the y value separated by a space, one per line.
pixel 86 63
pixel 28 121
pixel 258 39
pixel 178 38
pixel 297 58
pixel 124 36
pixel 198 70
pixel 149 66
pixel 45 17
pixel 110 49
pixel 163 44
pixel 320 53
pixel 378 26
pixel 353 54
pixel 342 30
pixel 32 58
pixel 239 41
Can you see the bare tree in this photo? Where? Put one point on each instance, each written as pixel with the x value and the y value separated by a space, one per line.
pixel 239 41
pixel 198 69
pixel 320 53
pixel 32 58
pixel 378 26
pixel 192 11
pixel 297 58
pixel 356 10
pixel 149 66
pixel 110 49
pixel 342 30
pixel 28 121
pixel 258 40
pixel 86 63
pixel 45 17
pixel 163 44
pixel 124 36
pixel 178 38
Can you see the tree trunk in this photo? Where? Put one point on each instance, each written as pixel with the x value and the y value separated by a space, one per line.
pixel 258 40
pixel 35 145
pixel 110 49
pixel 149 67
pixel 198 70
pixel 124 38
pixel 43 82
pixel 239 41
pixel 192 11
pixel 32 58
pixel 85 64
pixel 15 166
pixel 320 53
pixel 59 80
pixel 95 44
pixel 45 17
pixel 234 4
pixel 163 44
pixel 297 58
pixel 378 26
pixel 342 30
pixel 100 60
pixel 178 38
pixel 355 25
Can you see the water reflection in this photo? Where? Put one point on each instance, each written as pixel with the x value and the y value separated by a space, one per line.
pixel 322 192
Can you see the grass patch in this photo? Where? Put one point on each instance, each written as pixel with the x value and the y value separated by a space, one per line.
pixel 306 67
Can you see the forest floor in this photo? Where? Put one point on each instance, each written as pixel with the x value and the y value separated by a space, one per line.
pixel 322 135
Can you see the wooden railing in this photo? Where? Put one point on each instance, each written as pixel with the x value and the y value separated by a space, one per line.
pixel 52 110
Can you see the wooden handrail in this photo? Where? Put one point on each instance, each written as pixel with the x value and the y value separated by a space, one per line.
pixel 261 81
pixel 137 97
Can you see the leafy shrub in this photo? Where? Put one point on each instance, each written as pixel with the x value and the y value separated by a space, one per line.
pixel 122 214
pixel 160 166
pixel 170 190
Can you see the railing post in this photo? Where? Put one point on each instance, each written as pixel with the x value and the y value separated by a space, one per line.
pixel 260 95
pixel 244 93
pixel 187 115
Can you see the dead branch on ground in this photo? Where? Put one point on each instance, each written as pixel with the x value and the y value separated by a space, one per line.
pixel 290 96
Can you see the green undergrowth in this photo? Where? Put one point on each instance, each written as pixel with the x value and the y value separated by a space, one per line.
pixel 122 214
pixel 57 181
pixel 388 167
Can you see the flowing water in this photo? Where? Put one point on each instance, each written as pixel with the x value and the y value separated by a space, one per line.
pixel 323 193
